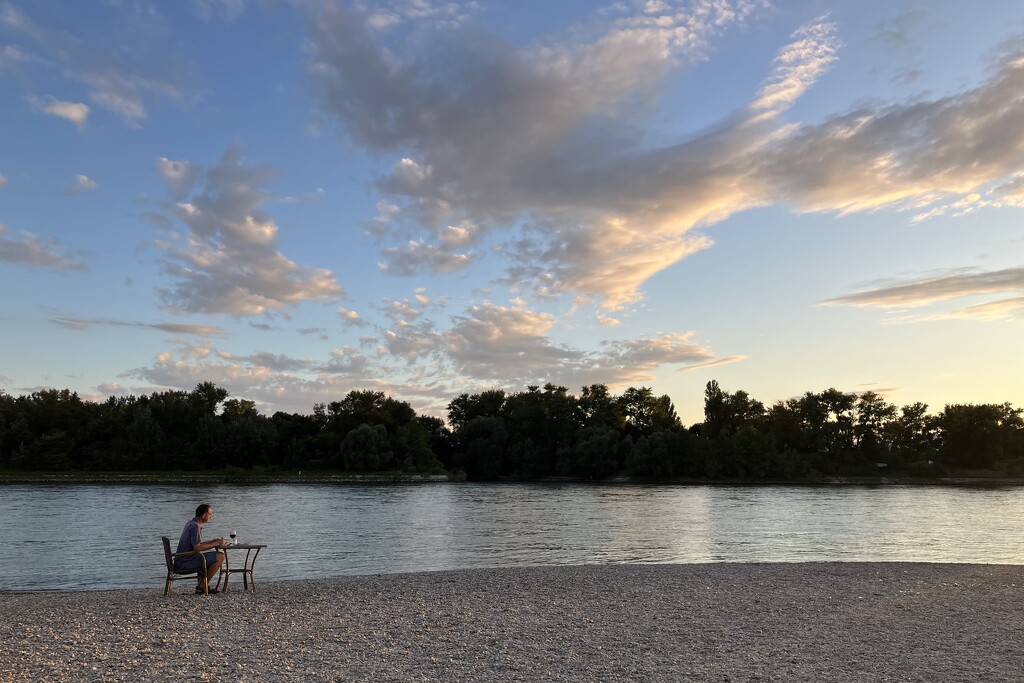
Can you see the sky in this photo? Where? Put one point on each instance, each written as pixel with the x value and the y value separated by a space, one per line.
pixel 295 199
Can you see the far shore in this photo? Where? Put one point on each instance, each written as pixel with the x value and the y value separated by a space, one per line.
pixel 406 478
pixel 793 623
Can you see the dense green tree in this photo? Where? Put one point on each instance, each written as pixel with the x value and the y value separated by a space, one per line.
pixel 598 407
pixel 529 461
pixel 251 438
pixel 439 438
pixel 785 422
pixel 205 398
pixel 296 433
pixel 747 454
pixel 595 453
pixel 104 445
pixel 668 453
pixel 547 418
pixel 912 436
pixel 539 432
pixel 646 413
pixel 715 414
pixel 484 449
pixel 465 408
pixel 728 413
pixel 146 441
pixel 827 422
pixel 210 448
pixel 413 450
pixel 8 414
pixel 368 407
pixel 872 427
pixel 367 448
pixel 978 436
pixel 51 451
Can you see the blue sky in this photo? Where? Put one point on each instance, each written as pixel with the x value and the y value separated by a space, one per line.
pixel 296 199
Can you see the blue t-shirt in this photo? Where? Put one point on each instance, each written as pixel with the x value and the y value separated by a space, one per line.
pixel 191 536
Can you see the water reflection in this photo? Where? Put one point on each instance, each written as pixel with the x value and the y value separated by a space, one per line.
pixel 91 536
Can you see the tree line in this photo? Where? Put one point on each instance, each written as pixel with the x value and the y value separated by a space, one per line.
pixel 537 433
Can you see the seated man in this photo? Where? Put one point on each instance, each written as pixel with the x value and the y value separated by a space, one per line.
pixel 192 539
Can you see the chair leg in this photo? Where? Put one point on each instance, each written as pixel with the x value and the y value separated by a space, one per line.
pixel 167 585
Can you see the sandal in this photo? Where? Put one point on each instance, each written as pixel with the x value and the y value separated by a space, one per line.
pixel 211 591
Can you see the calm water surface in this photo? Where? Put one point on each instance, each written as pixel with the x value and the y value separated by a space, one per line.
pixel 108 536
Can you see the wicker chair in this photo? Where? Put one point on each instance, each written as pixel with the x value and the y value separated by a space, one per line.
pixel 175 574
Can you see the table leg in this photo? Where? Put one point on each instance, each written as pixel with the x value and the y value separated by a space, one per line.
pixel 225 571
pixel 252 570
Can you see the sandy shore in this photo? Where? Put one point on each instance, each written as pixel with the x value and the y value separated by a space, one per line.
pixel 718 622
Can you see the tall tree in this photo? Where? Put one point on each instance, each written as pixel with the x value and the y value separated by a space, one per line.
pixel 598 407
pixel 715 413
pixel 874 416
pixel 547 418
pixel 647 413
pixel 978 436
pixel 465 408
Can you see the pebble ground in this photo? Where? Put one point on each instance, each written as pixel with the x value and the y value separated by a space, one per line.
pixel 820 622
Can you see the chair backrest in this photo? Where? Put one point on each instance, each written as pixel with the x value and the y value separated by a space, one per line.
pixel 167 552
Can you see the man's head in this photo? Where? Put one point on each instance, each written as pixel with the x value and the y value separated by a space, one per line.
pixel 204 512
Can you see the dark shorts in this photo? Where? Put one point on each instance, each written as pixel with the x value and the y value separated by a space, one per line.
pixel 190 563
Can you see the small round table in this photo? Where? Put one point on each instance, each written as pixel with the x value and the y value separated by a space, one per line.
pixel 247 568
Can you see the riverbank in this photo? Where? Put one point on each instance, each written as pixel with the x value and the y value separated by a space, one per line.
pixel 406 478
pixel 713 622
pixel 214 478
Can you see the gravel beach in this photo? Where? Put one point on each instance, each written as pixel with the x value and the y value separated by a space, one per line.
pixel 713 622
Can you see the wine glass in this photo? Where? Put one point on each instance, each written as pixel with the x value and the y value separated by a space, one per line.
pixel 233 541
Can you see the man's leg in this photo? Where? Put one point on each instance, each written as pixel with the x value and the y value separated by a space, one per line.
pixel 212 569
pixel 213 562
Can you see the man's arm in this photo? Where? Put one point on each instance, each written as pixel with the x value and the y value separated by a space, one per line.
pixel 203 546
pixel 210 545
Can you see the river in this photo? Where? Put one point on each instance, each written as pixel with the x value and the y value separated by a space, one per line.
pixel 74 537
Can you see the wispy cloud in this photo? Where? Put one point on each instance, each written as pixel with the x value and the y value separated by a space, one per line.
pixel 3 180
pixel 1001 309
pixel 797 67
pixel 712 363
pixel 401 310
pixel 946 287
pixel 228 10
pixel 906 156
pixel 12 56
pixel 82 184
pixel 512 346
pixel 898 33
pixel 350 317
pixel 413 341
pixel 82 324
pixel 504 342
pixel 180 176
pixel 929 290
pixel 488 345
pixel 419 256
pixel 277 362
pixel 40 252
pixel 315 195
pixel 121 76
pixel 229 263
pixel 75 112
